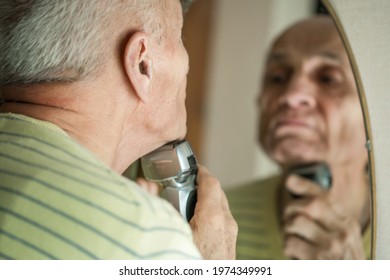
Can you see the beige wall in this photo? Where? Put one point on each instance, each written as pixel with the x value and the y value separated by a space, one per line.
pixel 242 32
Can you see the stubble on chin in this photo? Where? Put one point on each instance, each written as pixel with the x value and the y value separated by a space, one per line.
pixel 292 151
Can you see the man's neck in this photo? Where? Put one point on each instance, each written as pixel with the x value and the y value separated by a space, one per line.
pixel 83 111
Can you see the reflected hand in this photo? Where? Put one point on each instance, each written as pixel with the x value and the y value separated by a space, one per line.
pixel 214 228
pixel 317 227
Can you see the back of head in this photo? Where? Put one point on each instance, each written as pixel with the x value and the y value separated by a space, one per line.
pixel 50 40
pixel 44 41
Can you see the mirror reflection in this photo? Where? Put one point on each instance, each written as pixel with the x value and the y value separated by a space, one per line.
pixel 313 199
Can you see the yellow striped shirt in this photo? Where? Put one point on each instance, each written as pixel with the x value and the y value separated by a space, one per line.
pixel 58 201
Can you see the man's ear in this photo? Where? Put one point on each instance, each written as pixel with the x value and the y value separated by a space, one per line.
pixel 138 64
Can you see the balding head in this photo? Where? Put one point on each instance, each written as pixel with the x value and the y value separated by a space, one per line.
pixel 309 37
pixel 309 32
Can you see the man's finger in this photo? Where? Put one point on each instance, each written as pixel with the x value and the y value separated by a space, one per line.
pixel 302 187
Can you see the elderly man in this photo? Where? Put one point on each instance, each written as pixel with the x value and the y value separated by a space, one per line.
pixel 310 112
pixel 88 88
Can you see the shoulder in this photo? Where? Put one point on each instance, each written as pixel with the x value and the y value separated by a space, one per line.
pixel 72 206
pixel 142 226
pixel 162 232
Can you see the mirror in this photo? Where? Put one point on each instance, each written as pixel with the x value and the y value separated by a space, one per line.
pixel 364 29
pixel 227 66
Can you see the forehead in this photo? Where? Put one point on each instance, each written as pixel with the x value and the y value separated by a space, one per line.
pixel 315 38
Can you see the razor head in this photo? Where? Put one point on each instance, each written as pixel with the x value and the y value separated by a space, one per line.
pixel 318 172
pixel 174 167
pixel 172 161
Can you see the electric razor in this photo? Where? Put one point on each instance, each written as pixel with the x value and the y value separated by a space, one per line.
pixel 174 167
pixel 317 172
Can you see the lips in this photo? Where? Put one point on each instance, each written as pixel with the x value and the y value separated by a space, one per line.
pixel 294 125
pixel 297 123
pixel 293 122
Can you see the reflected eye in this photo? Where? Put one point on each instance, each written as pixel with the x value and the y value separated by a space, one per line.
pixel 326 79
pixel 276 78
pixel 329 77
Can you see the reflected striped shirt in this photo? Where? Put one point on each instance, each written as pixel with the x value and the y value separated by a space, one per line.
pixel 255 207
pixel 58 201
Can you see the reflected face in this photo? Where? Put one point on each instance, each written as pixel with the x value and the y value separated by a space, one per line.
pixel 169 81
pixel 310 108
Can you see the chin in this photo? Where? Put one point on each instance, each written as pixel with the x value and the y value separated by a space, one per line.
pixel 286 155
pixel 183 133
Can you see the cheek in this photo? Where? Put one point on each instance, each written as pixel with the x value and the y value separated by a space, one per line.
pixel 353 129
pixel 263 123
pixel 267 108
pixel 347 132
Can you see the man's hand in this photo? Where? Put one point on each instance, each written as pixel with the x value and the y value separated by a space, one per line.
pixel 317 227
pixel 214 228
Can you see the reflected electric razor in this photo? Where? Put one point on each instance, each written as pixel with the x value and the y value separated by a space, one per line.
pixel 318 172
pixel 174 166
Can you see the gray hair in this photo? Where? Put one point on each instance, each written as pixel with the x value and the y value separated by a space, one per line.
pixel 44 41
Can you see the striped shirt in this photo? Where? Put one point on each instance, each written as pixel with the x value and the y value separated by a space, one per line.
pixel 58 201
pixel 255 208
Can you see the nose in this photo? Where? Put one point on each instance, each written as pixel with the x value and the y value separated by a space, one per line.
pixel 299 92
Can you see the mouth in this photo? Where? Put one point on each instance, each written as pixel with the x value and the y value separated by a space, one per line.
pixel 295 127
pixel 294 123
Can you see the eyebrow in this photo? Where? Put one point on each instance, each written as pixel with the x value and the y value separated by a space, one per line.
pixel 279 57
pixel 331 56
pixel 276 57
